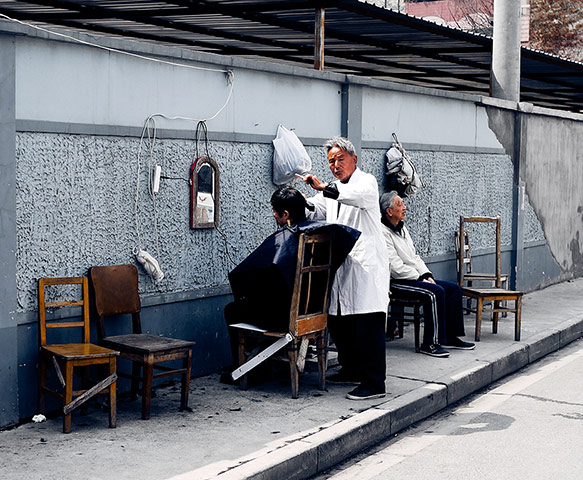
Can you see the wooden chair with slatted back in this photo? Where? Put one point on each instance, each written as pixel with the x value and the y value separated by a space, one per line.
pixel 116 295
pixel 307 318
pixel 496 294
pixel 65 358
pixel 467 276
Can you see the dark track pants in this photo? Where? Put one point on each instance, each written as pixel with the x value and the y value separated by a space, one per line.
pixel 360 340
pixel 442 308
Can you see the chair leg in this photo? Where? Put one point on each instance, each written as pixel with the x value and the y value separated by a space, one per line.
pixel 68 396
pixel 295 375
pixel 185 382
pixel 147 386
pixel 391 326
pixel 112 394
pixel 517 315
pixel 85 385
pixel 479 307
pixel 136 367
pixel 321 353
pixel 42 380
pixel 505 302
pixel 417 325
pixel 496 305
pixel 243 379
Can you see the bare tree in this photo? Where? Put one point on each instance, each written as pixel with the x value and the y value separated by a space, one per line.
pixel 556 26
pixel 475 16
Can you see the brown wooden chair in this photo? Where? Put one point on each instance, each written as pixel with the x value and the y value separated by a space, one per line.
pixel 307 319
pixel 65 358
pixel 116 293
pixel 469 276
pixel 496 294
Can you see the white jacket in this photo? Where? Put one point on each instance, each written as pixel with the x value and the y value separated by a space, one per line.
pixel 405 263
pixel 361 284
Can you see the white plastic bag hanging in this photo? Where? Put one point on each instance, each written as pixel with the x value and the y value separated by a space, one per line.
pixel 289 156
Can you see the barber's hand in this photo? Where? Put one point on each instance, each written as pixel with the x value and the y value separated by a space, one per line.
pixel 314 182
pixel 429 280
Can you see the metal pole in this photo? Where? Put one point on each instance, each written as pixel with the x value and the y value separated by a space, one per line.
pixel 505 74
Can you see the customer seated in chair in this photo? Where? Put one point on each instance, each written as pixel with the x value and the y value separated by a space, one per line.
pixel 442 300
pixel 262 284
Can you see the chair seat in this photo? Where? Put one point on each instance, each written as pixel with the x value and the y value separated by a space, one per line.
pixel 491 293
pixel 145 343
pixel 78 351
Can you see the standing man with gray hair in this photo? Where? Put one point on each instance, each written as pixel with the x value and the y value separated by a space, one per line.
pixel 360 292
pixel 442 300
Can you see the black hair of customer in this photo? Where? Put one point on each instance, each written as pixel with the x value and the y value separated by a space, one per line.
pixel 290 199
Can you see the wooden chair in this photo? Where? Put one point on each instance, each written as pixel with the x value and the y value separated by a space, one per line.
pixel 307 319
pixel 116 293
pixel 65 358
pixel 403 310
pixel 496 294
pixel 468 276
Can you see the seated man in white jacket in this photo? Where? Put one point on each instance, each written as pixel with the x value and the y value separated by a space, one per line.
pixel 442 300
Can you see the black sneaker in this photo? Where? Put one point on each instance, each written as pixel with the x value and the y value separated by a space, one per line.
pixel 342 378
pixel 363 393
pixel 460 344
pixel 434 350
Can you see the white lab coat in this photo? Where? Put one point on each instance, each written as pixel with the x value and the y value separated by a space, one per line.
pixel 361 284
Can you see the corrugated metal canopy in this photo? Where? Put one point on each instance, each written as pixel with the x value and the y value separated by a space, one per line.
pixel 360 39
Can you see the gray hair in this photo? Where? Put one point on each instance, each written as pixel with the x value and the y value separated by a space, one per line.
pixel 388 200
pixel 340 142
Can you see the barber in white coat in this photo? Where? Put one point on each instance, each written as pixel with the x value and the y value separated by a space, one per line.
pixel 360 292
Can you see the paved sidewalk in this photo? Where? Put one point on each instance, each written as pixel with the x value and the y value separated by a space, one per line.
pixel 263 433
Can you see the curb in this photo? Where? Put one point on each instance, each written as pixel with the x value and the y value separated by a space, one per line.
pixel 311 452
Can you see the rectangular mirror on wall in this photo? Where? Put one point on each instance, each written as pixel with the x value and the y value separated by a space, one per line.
pixel 204 193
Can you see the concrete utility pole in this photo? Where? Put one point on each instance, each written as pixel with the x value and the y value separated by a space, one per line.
pixel 505 74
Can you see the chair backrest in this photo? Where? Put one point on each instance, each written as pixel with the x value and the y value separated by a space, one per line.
pixel 43 305
pixel 312 284
pixel 464 258
pixel 115 288
pixel 463 252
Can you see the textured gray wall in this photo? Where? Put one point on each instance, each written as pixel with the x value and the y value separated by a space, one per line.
pixel 76 208
pixel 76 197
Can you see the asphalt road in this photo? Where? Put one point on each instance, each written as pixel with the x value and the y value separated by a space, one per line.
pixel 529 425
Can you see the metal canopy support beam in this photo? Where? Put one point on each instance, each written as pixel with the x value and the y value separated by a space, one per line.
pixel 319 39
pixel 351 114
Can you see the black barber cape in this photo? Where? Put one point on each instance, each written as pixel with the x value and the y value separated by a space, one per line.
pixel 262 284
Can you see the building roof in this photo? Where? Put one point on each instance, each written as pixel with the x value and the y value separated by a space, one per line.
pixel 360 39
